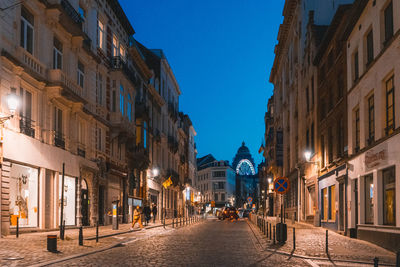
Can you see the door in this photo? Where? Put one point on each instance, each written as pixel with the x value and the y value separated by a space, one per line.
pixel 85 207
pixel 341 207
pixel 356 200
pixel 101 205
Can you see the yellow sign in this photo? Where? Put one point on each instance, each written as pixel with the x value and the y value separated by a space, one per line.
pixel 213 204
pixel 167 183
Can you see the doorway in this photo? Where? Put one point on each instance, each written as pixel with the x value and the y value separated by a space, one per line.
pixel 341 206
pixel 84 203
pixel 101 205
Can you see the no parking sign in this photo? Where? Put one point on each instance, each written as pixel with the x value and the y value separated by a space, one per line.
pixel 281 185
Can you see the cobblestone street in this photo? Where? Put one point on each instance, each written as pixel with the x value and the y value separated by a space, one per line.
pixel 213 243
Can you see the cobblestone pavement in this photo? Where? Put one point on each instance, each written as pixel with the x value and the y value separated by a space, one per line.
pixel 310 241
pixel 213 243
pixel 31 248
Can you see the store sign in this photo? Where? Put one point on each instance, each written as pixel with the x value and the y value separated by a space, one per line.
pixel 375 157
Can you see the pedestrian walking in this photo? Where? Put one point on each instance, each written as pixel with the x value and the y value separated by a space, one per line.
pixel 154 211
pixel 147 214
pixel 137 218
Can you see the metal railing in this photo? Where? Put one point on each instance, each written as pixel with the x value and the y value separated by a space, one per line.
pixel 26 126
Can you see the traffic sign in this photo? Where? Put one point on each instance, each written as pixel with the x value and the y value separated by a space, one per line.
pixel 250 199
pixel 281 185
pixel 213 203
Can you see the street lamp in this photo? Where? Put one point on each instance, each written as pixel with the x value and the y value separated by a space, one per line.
pixel 307 156
pixel 12 103
pixel 155 172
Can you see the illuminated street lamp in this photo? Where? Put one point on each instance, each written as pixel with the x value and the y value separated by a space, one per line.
pixel 12 103
pixel 155 172
pixel 307 155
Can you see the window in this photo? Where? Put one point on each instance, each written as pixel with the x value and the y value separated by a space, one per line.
pixel 222 197
pixel 312 139
pixel 371 119
pixel 370 47
pixel 388 14
pixel 57 54
pixel 99 139
pixel 322 151
pixel 122 51
pixel 27 30
pixel 82 14
pixel 121 99
pixel 357 129
pixel 328 204
pixel 100 35
pixel 355 64
pixel 369 199
pixel 25 113
pixel 115 46
pixel 215 197
pixel 390 106
pixel 99 97
pixel 58 121
pixel 330 145
pixel 389 196
pixel 145 134
pixel 129 107
pixel 81 74
pixel 219 174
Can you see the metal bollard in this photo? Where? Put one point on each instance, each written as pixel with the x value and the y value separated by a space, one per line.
pixel 97 232
pixel 267 229
pixel 52 243
pixel 180 221
pixel 80 236
pixel 172 222
pixel 398 259
pixel 326 243
pixel 294 238
pixel 270 229
pixel 274 235
pixel 376 262
pixel 17 232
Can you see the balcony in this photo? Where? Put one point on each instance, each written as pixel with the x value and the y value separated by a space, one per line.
pixel 117 63
pixel 69 17
pixel 70 88
pixel 59 140
pixel 26 126
pixel 173 144
pixel 139 155
pixel 32 63
pixel 142 110
pixel 121 126
pixel 173 113
pixel 81 150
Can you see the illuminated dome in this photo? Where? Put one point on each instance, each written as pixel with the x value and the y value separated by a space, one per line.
pixel 243 162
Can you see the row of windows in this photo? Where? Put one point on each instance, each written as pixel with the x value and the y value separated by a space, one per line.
pixel 388 31
pixel 389 115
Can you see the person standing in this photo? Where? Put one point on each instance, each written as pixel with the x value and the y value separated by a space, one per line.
pixel 154 211
pixel 137 218
pixel 147 214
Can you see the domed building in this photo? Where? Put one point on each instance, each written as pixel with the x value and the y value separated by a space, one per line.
pixel 246 177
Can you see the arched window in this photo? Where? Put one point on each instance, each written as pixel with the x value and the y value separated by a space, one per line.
pixel 129 108
pixel 121 99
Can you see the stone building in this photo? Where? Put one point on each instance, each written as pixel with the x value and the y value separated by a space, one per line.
pixel 373 122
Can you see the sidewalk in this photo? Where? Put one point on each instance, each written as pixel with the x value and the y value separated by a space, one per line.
pixel 311 241
pixel 31 248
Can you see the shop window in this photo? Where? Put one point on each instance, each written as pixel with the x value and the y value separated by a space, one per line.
pixel 328 204
pixel 324 203
pixel 27 30
pixel 332 203
pixel 389 196
pixel 369 199
pixel 390 118
pixel 69 214
pixel 23 196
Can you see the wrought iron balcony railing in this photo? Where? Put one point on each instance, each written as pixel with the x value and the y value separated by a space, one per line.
pixel 26 126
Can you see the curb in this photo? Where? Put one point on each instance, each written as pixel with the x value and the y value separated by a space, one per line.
pixel 304 257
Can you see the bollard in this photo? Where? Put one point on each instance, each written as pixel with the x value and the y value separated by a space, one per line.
pixel 326 243
pixel 17 232
pixel 270 229
pixel 80 236
pixel 52 243
pixel 398 259
pixel 274 235
pixel 97 232
pixel 376 262
pixel 267 229
pixel 180 221
pixel 294 238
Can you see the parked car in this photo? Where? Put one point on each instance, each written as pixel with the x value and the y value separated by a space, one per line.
pixel 230 213
pixel 246 213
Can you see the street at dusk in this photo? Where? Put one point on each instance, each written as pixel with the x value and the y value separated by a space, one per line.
pixel 199 133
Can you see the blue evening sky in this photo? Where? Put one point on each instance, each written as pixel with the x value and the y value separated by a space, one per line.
pixel 221 52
